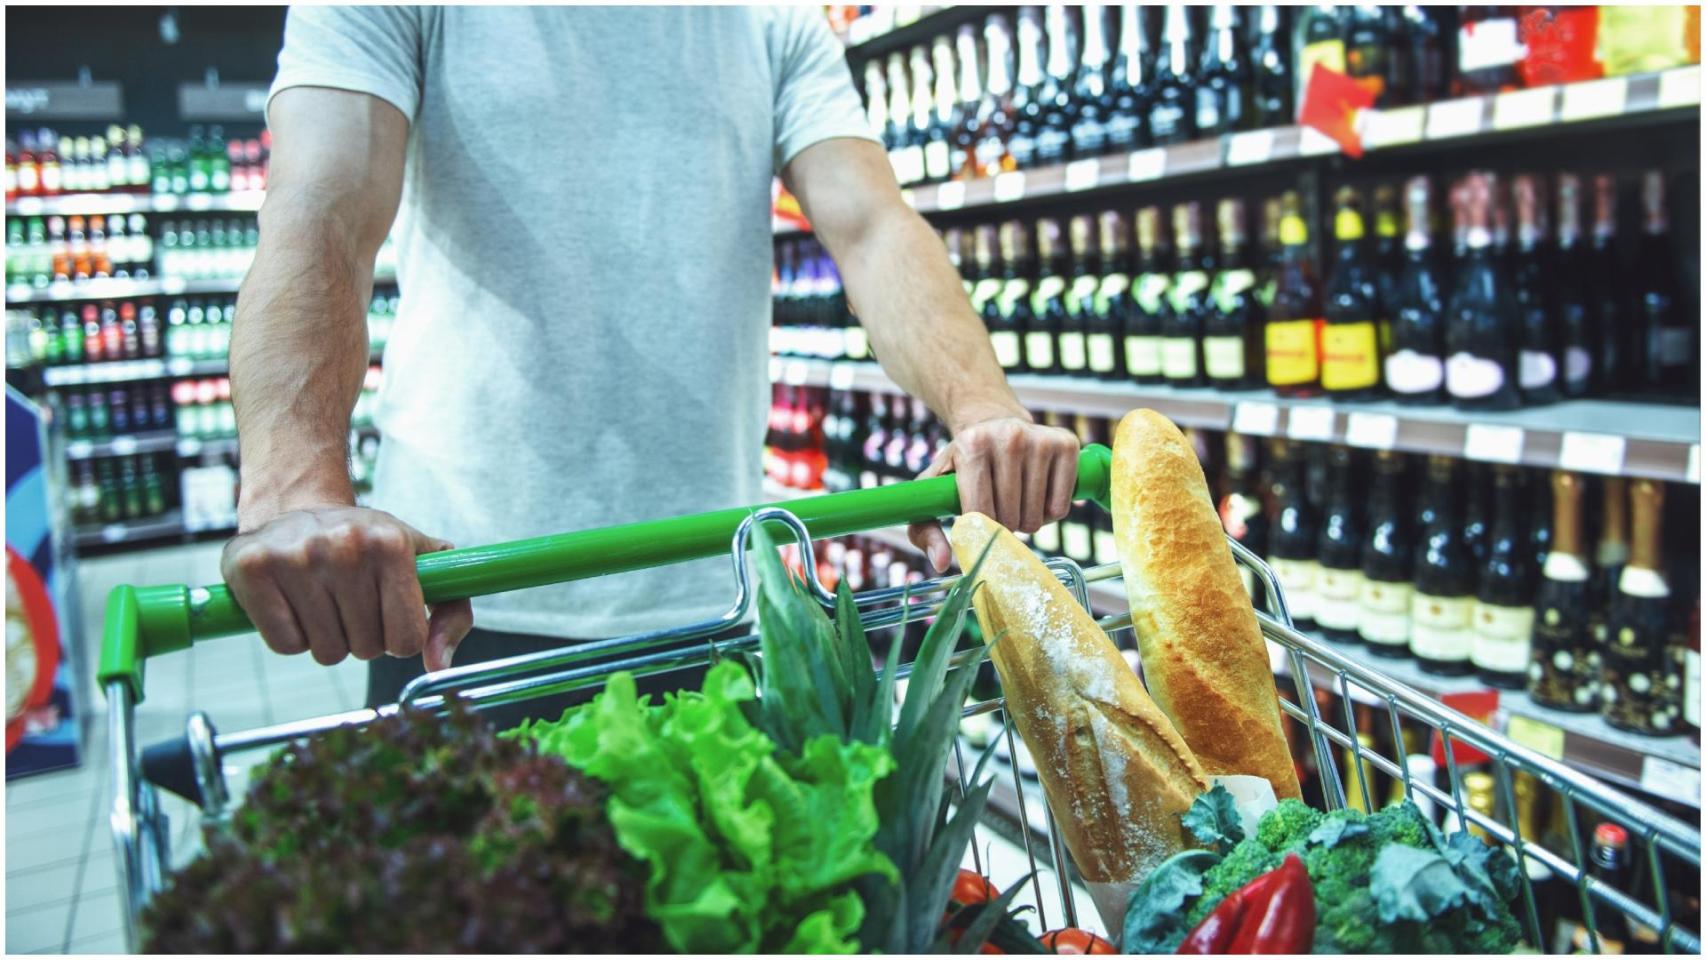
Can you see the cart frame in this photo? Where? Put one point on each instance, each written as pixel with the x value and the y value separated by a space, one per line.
pixel 144 622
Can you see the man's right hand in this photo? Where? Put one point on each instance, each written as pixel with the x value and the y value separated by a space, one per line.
pixel 340 580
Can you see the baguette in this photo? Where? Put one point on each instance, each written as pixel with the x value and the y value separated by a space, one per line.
pixel 1116 773
pixel 1204 658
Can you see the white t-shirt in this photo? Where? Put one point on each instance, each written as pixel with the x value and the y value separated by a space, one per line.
pixel 584 257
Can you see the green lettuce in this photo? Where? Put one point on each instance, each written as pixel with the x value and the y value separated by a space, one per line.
pixel 749 848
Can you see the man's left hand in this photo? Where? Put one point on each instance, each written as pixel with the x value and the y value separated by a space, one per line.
pixel 1018 472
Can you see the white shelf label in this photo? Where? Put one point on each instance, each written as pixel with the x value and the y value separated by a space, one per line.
pixel 775 370
pixel 171 285
pixel 951 195
pixel 1454 118
pixel 1692 472
pixel 19 293
pixel 60 290
pixel 78 449
pixel 165 202
pixel 113 532
pixel 1310 423
pixel 1669 779
pixel 1148 164
pixel 180 367
pixel 189 447
pixel 198 201
pixel 1493 443
pixel 794 374
pixel 29 206
pixel 1524 108
pixel 1679 88
pixel 124 446
pixel 1314 143
pixel 1376 431
pixel 1243 149
pixel 841 376
pixel 1083 175
pixel 1592 452
pixel 1595 98
pixel 1009 186
pixel 1255 419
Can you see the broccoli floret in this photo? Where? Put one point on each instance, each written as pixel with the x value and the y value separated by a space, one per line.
pixel 1287 825
pixel 1246 861
pixel 1402 823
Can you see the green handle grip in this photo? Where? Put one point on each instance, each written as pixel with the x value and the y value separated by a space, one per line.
pixel 149 621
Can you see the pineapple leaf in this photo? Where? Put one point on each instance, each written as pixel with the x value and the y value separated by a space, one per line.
pixel 854 650
pixel 933 876
pixel 799 698
pixel 985 917
pixel 938 646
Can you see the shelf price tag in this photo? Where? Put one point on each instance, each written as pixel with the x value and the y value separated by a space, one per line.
pixel 1009 186
pixel 19 293
pixel 1595 98
pixel 124 446
pixel 1592 452
pixel 29 206
pixel 113 532
pixel 1493 443
pixel 1454 118
pixel 1255 146
pixel 189 447
pixel 165 202
pixel 1313 143
pixel 1691 473
pixel 1148 164
pixel 1524 108
pixel 841 376
pixel 1668 778
pixel 181 367
pixel 199 201
pixel 951 195
pixel 79 449
pixel 1376 431
pixel 1083 175
pixel 775 370
pixel 1310 423
pixel 794 374
pixel 1255 419
pixel 1677 88
pixel 171 285
pixel 1542 738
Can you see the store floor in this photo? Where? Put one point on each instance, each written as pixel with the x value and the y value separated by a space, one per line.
pixel 61 883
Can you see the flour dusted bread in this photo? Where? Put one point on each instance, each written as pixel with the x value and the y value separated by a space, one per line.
pixel 1204 658
pixel 1116 773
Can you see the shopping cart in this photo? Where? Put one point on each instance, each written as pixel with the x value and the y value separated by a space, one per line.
pixel 144 622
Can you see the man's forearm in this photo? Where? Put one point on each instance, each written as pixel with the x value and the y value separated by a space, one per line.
pixel 298 355
pixel 923 331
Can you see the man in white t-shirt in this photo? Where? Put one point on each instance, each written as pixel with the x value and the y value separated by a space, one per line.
pixel 582 207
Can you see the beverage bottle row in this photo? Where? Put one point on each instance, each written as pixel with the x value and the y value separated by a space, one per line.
pixel 41 250
pixel 208 249
pixel 809 308
pixel 112 490
pixel 203 409
pixel 198 329
pixel 100 413
pixel 44 163
pixel 209 163
pixel 87 333
pixel 794 437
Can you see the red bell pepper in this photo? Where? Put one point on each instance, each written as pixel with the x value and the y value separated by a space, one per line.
pixel 1274 913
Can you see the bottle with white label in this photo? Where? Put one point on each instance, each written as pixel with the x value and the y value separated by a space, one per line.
pixel 1482 333
pixel 1563 673
pixel 939 139
pixel 1388 553
pixel 1639 688
pixel 1104 337
pixel 1338 591
pixel 1232 332
pixel 905 156
pixel 1149 296
pixel 1292 536
pixel 983 288
pixel 1072 343
pixel 1504 598
pixel 1441 609
pixel 1013 302
pixel 1048 301
pixel 1569 292
pixel 1187 304
pixel 1538 363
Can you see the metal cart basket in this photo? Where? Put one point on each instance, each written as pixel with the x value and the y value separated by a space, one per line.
pixel 144 622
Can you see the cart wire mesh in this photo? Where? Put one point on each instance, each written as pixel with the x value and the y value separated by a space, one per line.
pixel 141 832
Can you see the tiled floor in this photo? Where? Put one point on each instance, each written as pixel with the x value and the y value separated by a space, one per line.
pixel 61 885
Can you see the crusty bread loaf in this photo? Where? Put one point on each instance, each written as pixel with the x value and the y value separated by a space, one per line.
pixel 1116 773
pixel 1204 658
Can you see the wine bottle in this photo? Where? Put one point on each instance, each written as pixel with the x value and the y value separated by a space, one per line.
pixel 1671 357
pixel 1610 933
pixel 1270 67
pixel 1606 286
pixel 1415 370
pixel 1388 555
pixel 1570 294
pixel 968 125
pixel 1223 91
pixel 1338 592
pixel 1538 363
pixel 939 139
pixel 1013 303
pixel 1350 341
pixel 1293 534
pixel 1321 40
pixel 1054 131
pixel 1482 331
pixel 1126 127
pixel 923 109
pixel 1639 689
pixel 1292 333
pixel 1424 58
pixel 1475 512
pixel 1504 598
pixel 1488 50
pixel 1048 300
pixel 1441 608
pixel 1031 95
pixel 905 155
pixel 1563 673
pixel 1171 117
pixel 995 111
pixel 1186 307
pixel 1691 675
pixel 1388 260
pixel 1368 52
pixel 1232 330
pixel 1149 297
pixel 1072 348
pixel 986 286
pixel 1611 553
pixel 1112 301
pixel 1241 511
pixel 1092 103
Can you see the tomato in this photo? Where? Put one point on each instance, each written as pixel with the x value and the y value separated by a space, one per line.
pixel 971 888
pixel 1071 940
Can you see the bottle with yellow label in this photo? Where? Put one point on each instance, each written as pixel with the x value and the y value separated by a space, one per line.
pixel 1187 305
pixel 1350 342
pixel 1048 301
pixel 1104 339
pixel 1292 331
pixel 1148 293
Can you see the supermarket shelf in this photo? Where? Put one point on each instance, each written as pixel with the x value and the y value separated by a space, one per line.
pixel 119 289
pixel 194 447
pixel 170 524
pixel 869 37
pixel 1648 96
pixel 1617 437
pixel 120 371
pixel 246 201
pixel 122 446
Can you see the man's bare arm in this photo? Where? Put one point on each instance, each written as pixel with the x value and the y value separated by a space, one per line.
pixel 913 305
pixel 314 571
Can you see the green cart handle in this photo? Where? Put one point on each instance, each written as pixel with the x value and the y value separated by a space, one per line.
pixel 145 622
